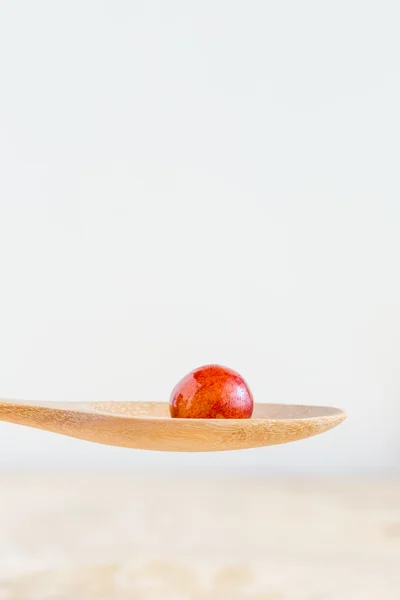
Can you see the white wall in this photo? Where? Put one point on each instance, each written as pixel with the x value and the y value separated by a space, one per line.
pixel 193 182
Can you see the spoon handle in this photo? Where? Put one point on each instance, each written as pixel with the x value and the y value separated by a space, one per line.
pixel 32 414
pixel 18 412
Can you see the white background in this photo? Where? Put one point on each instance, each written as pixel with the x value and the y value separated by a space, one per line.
pixel 193 182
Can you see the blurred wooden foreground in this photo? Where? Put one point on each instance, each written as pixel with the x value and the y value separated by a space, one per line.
pixel 182 537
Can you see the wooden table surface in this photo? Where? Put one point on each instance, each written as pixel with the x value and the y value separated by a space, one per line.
pixel 178 537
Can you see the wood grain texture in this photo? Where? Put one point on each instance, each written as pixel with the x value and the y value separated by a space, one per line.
pixel 148 426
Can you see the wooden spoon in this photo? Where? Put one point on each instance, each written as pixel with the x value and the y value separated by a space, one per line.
pixel 148 426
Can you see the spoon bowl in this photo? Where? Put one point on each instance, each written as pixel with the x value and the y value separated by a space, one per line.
pixel 148 425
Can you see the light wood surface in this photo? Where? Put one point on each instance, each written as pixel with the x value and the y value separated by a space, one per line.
pixel 148 426
pixel 181 536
